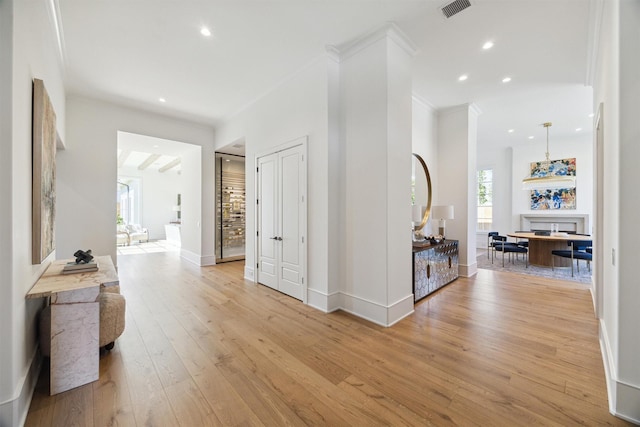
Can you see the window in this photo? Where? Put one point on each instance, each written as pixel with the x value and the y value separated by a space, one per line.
pixel 128 200
pixel 485 199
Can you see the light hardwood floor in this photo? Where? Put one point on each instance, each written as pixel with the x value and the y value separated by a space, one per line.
pixel 204 347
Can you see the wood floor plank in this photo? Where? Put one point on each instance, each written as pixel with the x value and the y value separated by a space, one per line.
pixel 111 398
pixel 74 407
pixel 204 347
pixel 190 406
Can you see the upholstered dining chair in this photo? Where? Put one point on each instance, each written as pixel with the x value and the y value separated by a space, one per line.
pixel 579 249
pixel 490 241
pixel 523 242
pixel 506 247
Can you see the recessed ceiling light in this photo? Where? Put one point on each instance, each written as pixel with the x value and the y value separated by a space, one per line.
pixel 205 31
pixel 487 45
pixel 227 160
pixel 591 115
pixel 511 130
pixel 463 77
pixel 578 129
pixel 530 136
pixel 156 146
pixel 162 100
pixel 506 80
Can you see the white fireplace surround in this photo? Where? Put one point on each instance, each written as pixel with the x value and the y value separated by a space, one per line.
pixel 578 223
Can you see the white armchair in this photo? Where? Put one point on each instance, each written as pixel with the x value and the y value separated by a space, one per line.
pixel 137 233
pixel 122 237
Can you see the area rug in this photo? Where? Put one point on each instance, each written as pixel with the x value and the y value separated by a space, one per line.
pixel 518 266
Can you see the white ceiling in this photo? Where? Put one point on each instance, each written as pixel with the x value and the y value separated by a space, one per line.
pixel 134 150
pixel 136 51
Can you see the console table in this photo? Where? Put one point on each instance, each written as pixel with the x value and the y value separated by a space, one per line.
pixel 75 321
pixel 433 267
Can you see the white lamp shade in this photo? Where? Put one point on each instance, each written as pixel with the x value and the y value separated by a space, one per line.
pixel 416 213
pixel 442 212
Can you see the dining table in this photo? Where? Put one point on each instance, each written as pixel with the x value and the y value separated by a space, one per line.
pixel 541 245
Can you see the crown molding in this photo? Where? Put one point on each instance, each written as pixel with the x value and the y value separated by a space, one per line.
pixel 426 104
pixel 469 107
pixel 333 53
pixel 387 30
pixel 474 108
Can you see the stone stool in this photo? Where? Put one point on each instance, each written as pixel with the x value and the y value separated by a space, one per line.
pixel 112 320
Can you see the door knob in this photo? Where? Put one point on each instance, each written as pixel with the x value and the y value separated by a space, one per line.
pixel 279 239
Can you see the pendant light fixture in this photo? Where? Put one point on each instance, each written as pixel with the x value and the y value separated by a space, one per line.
pixel 543 179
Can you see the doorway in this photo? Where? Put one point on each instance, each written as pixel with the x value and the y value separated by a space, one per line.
pixel 281 213
pixel 230 207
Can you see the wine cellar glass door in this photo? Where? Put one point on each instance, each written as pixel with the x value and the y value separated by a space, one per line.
pixel 230 211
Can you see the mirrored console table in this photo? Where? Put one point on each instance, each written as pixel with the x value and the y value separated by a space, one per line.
pixel 434 266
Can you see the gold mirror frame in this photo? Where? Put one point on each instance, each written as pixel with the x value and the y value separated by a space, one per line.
pixel 427 211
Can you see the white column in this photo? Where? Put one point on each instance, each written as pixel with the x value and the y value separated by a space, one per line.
pixel 456 180
pixel 375 93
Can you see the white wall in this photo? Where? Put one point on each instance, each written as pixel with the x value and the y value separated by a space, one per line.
pixel 617 88
pixel 296 108
pixel 87 175
pixel 159 196
pixel 629 370
pixel 197 209
pixel 28 51
pixel 580 148
pixel 456 180
pixel 500 161
pixel 425 143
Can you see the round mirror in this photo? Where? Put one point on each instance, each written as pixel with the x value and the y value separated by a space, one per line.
pixel 420 191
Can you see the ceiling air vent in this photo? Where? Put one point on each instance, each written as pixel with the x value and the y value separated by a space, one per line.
pixel 455 7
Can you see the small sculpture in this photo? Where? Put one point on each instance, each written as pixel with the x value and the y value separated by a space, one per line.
pixel 83 257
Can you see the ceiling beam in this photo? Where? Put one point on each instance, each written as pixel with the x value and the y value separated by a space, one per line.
pixel 172 164
pixel 152 158
pixel 124 155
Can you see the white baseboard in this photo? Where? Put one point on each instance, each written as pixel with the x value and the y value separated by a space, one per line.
pixel 323 301
pixel 376 312
pixel 249 273
pixel 468 270
pixel 196 259
pixel 624 399
pixel 607 359
pixel 14 411
pixel 190 256
pixel 207 260
pixel 627 402
pixel 400 309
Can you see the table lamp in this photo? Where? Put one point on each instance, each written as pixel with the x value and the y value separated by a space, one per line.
pixel 442 213
pixel 417 213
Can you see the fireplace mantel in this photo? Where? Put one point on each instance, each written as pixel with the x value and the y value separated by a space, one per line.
pixel 578 223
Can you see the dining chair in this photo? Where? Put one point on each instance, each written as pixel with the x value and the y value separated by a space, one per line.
pixel 524 242
pixel 507 247
pixel 489 241
pixel 579 249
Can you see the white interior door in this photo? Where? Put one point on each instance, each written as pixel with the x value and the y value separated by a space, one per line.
pixel 291 197
pixel 267 220
pixel 281 221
